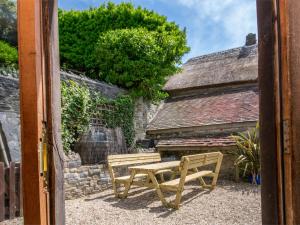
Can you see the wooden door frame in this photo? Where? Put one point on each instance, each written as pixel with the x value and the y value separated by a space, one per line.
pixel 43 198
pixel 279 82
pixel 279 35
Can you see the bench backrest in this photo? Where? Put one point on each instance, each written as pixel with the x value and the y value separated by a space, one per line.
pixel 198 160
pixel 194 161
pixel 131 159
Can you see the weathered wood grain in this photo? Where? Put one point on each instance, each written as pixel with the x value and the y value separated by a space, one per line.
pixel 12 190
pixel 32 102
pixel 2 192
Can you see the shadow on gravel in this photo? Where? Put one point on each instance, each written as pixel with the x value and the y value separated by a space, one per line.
pixel 164 212
pixel 245 188
pixel 143 198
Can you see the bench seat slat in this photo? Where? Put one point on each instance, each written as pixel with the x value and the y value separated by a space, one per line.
pixel 128 156
pixel 199 164
pixel 131 159
pixel 134 158
pixel 175 182
pixel 125 163
pixel 123 179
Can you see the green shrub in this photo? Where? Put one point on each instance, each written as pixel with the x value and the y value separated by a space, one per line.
pixel 80 44
pixel 8 55
pixel 248 152
pixel 136 59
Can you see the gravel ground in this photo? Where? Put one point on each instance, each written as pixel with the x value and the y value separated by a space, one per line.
pixel 230 203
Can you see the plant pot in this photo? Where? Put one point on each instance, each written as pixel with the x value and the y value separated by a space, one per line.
pixel 257 179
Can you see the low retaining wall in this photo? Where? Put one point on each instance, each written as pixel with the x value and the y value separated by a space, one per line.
pixel 84 180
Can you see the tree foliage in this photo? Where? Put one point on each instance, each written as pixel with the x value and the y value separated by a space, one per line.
pixel 85 38
pixel 8 21
pixel 136 59
pixel 8 55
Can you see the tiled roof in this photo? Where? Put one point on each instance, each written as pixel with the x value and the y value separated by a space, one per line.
pixel 197 142
pixel 230 66
pixel 232 106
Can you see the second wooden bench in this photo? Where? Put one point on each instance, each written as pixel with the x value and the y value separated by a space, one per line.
pixel 115 161
pixel 189 171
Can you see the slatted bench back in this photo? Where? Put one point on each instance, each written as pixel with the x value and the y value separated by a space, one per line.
pixel 131 159
pixel 195 161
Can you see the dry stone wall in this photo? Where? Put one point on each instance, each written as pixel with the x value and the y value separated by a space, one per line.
pixel 10 115
pixel 81 180
pixel 10 104
pixel 144 112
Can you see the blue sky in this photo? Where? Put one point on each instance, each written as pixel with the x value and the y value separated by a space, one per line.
pixel 212 25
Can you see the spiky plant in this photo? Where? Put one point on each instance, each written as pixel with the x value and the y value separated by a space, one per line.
pixel 248 152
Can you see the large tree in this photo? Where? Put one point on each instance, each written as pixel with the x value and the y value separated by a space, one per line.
pixel 133 47
pixel 137 59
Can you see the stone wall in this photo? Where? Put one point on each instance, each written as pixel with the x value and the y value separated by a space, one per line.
pixel 107 90
pixel 81 180
pixel 143 114
pixel 10 115
pixel 10 104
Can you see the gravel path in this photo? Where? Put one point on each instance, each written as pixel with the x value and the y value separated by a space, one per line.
pixel 230 203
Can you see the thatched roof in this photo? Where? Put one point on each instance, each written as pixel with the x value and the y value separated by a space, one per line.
pixel 230 66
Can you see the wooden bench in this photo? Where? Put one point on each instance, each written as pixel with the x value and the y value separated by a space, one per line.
pixel 115 161
pixel 189 171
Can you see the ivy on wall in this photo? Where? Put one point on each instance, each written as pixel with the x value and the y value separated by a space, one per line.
pixel 79 105
pixel 121 116
pixel 76 107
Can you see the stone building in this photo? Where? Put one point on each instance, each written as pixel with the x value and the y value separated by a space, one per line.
pixel 213 97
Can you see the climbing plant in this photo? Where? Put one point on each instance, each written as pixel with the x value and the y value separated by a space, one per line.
pixel 121 116
pixel 76 112
pixel 79 105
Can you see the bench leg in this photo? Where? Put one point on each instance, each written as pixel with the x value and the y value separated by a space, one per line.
pixel 214 181
pixel 177 199
pixel 162 179
pixel 127 186
pixel 115 188
pixel 202 182
pixel 157 188
pixel 148 180
pixel 173 175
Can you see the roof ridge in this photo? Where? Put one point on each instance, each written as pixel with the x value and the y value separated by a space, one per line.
pixel 220 53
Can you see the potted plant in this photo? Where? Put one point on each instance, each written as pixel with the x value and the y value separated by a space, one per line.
pixel 248 153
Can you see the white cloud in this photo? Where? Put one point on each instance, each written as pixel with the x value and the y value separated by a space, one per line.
pixel 228 21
